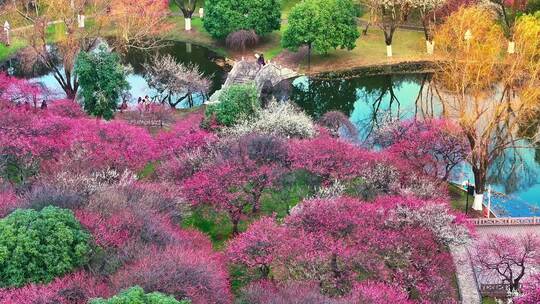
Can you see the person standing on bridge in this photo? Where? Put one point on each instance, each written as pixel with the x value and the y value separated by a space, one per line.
pixel 260 60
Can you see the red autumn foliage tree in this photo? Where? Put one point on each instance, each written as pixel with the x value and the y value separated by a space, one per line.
pixel 263 292
pixel 115 145
pixel 198 275
pixel 66 108
pixel 256 248
pixel 75 288
pixel 378 293
pixel 236 181
pixel 72 142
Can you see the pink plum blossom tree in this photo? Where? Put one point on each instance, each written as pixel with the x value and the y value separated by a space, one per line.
pixel 508 257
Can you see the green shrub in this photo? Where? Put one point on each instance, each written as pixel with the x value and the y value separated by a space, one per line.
pixel 236 103
pixel 223 17
pixel 136 295
pixel 38 246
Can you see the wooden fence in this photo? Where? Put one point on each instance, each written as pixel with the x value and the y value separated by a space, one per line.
pixel 505 221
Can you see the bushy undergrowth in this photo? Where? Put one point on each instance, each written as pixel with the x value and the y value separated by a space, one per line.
pixel 236 103
pixel 38 246
pixel 136 295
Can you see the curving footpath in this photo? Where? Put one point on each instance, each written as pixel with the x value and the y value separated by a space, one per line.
pixel 466 278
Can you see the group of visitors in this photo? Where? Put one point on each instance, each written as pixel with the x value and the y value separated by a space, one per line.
pixel 27 105
pixel 144 102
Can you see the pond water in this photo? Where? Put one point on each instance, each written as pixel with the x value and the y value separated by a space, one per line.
pixel 370 101
pixel 183 52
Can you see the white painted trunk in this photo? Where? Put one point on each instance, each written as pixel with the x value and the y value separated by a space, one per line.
pixel 7 37
pixel 201 12
pixel 81 20
pixel 511 47
pixel 389 50
pixel 478 200
pixel 187 24
pixel 430 47
pixel 188 47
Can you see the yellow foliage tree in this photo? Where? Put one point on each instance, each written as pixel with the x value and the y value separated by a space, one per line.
pixel 486 91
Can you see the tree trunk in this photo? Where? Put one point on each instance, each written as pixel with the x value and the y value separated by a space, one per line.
pixel 235 226
pixel 480 176
pixel 511 47
pixel 365 30
pixel 389 50
pixel 187 23
pixel 388 42
pixel 70 93
pixel 265 271
pixel 430 47
pixel 309 56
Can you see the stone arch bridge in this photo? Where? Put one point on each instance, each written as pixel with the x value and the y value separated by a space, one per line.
pixel 245 71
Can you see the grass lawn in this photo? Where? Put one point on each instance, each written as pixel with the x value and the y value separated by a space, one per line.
pixel 286 6
pixel 458 201
pixel 198 35
pixel 488 300
pixel 54 33
pixel 371 50
pixel 16 45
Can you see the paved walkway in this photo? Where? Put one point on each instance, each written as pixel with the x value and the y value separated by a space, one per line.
pixel 466 279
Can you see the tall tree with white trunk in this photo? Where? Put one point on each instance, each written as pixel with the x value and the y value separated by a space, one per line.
pixel 388 16
pixel 429 17
pixel 188 8
pixel 508 12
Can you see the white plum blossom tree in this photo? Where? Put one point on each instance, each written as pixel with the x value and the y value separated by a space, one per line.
pixel 278 119
pixel 174 81
pixel 436 218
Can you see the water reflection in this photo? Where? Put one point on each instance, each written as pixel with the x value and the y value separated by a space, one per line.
pixel 373 101
pixel 192 54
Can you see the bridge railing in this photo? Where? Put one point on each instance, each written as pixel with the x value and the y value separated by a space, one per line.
pixel 505 221
pixel 494 290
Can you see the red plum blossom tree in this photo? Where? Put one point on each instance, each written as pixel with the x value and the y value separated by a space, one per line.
pixel 335 241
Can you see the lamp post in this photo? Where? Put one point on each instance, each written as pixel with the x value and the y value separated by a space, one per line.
pixel 489 202
pixel 7 27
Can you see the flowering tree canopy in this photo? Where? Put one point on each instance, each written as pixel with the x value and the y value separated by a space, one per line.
pixel 175 81
pixel 508 257
pixel 332 241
